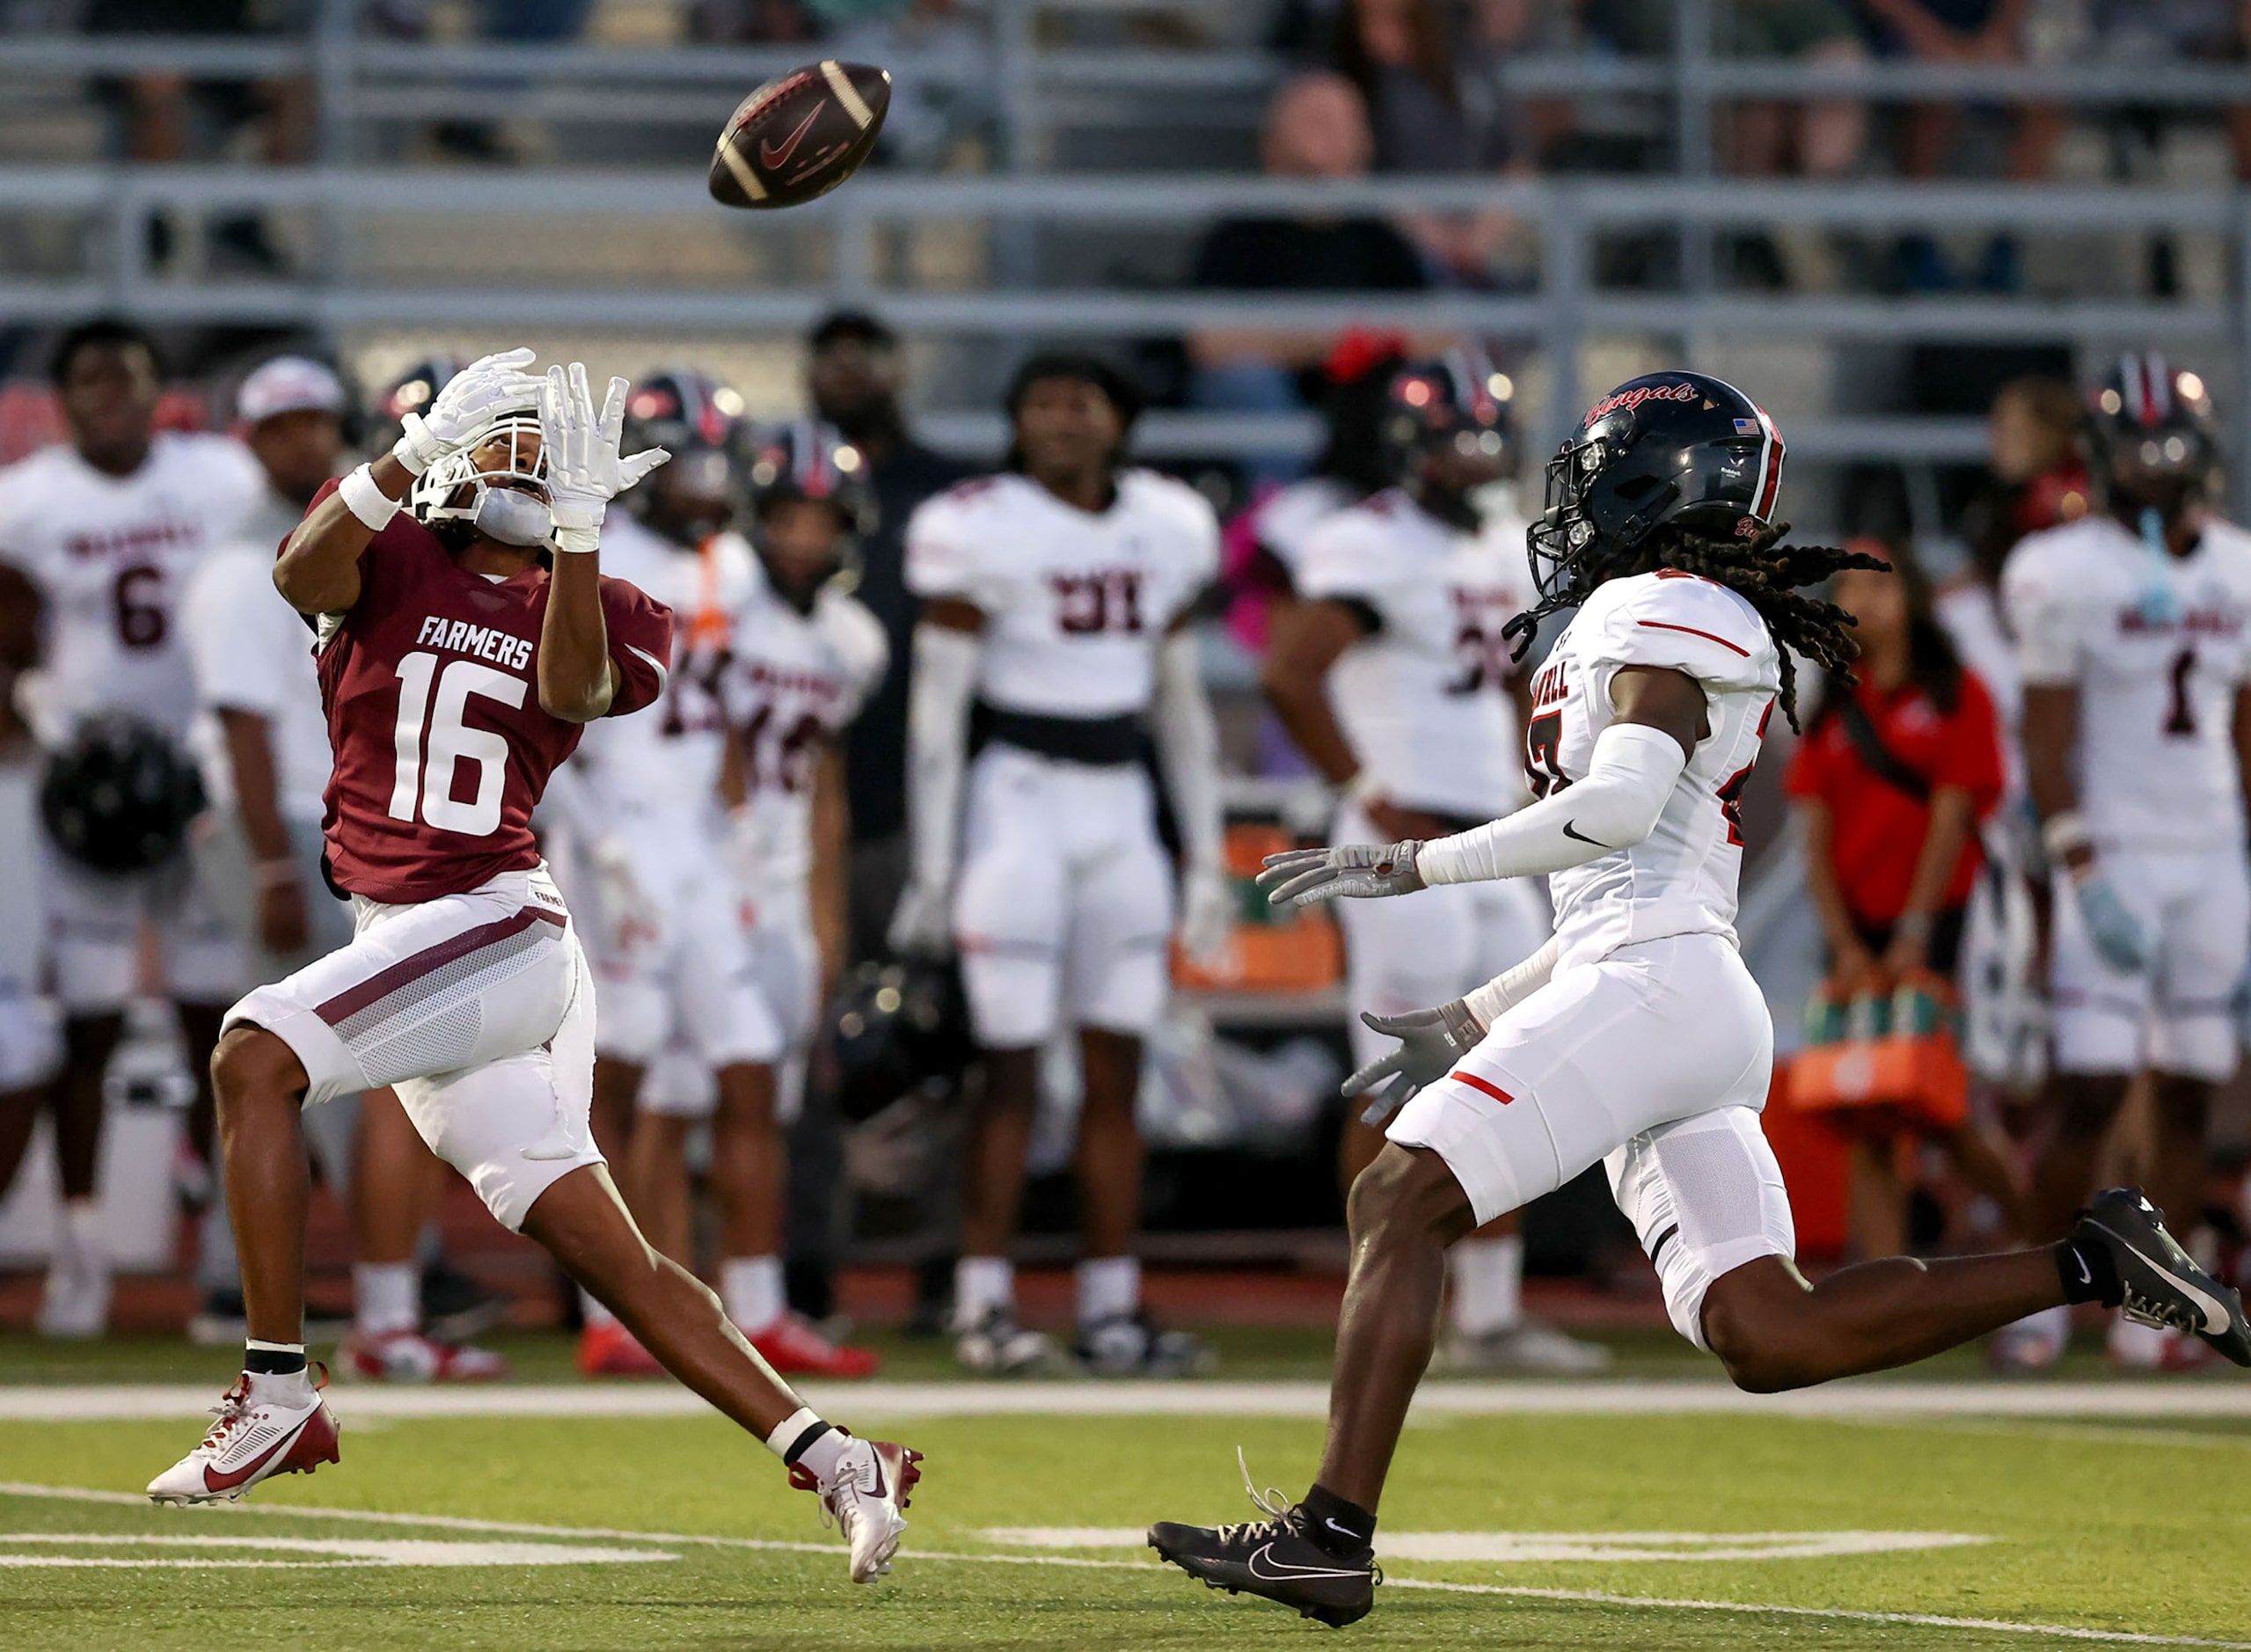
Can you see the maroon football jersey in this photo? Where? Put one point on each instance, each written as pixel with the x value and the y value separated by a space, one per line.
pixel 429 682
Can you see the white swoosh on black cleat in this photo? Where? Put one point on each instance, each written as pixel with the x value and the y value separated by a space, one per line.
pixel 1288 1571
pixel 2217 1316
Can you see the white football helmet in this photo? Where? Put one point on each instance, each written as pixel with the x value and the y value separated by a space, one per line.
pixel 495 502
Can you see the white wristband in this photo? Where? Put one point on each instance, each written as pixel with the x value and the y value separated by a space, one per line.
pixel 366 501
pixel 579 541
pixel 2063 832
pixel 1362 786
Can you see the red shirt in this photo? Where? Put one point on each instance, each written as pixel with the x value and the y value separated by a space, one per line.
pixel 1877 829
pixel 430 686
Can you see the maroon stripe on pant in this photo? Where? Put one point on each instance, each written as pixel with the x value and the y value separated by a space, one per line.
pixel 416 965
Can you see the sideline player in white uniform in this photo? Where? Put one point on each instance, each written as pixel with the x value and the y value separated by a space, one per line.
pixel 1391 678
pixel 1054 596
pixel 2131 626
pixel 721 976
pixel 98 538
pixel 477 634
pixel 1635 1038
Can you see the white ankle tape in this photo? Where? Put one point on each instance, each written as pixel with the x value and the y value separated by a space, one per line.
pixel 365 500
pixel 257 1347
pixel 792 1428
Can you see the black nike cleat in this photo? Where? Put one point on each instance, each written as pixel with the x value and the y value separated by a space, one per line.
pixel 1276 1559
pixel 2161 1285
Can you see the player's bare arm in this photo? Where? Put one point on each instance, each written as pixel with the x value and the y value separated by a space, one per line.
pixel 1303 643
pixel 283 919
pixel 19 606
pixel 576 680
pixel 2242 731
pixel 832 864
pixel 2052 726
pixel 946 648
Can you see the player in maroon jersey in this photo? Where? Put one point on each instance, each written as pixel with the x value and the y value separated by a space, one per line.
pixel 464 643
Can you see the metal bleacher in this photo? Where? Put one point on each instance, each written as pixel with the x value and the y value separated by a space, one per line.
pixel 1100 162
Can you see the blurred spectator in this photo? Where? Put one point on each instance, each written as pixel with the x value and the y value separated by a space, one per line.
pixel 1959 31
pixel 510 22
pixel 1821 137
pixel 2036 474
pixel 1890 780
pixel 1316 127
pixel 1401 56
pixel 169 117
pixel 750 22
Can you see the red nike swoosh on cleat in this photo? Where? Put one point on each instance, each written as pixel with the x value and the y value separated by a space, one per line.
pixel 234 1477
pixel 879 1477
pixel 772 153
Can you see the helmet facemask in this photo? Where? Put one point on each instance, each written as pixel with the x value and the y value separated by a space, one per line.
pixel 496 487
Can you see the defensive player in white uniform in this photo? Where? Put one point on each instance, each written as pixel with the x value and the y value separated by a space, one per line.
pixel 1053 597
pixel 706 958
pixel 2131 626
pixel 1635 1038
pixel 98 538
pixel 1391 676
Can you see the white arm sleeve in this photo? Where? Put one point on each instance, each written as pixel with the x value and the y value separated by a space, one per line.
pixel 1631 773
pixel 938 738
pixel 1188 744
pixel 1512 986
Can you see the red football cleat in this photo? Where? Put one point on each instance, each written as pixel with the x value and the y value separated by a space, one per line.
pixel 793 1348
pixel 609 1350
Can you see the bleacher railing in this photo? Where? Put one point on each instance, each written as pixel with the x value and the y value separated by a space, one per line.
pixel 358 80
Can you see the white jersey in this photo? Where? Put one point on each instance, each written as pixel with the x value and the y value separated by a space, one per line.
pixel 2157 650
pixel 662 768
pixel 111 557
pixel 1423 699
pixel 1682 879
pixel 1075 601
pixel 794 680
pixel 1283 521
pixel 251 652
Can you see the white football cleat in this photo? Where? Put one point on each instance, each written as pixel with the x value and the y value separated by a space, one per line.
pixel 864 1501
pixel 992 1344
pixel 74 1303
pixel 408 1356
pixel 263 1430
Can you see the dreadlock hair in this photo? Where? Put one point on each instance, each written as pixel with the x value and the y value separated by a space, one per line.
pixel 1767 574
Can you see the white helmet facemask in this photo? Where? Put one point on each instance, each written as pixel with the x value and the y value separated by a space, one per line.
pixel 496 504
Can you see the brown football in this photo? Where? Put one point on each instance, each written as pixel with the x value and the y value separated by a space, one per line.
pixel 801 136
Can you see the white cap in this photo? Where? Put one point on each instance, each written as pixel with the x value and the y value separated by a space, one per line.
pixel 288 383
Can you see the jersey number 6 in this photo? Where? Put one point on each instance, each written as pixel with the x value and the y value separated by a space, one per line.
pixel 426 787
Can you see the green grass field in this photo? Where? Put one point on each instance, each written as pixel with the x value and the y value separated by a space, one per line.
pixel 1554 1530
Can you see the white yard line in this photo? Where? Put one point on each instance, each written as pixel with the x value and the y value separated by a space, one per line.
pixel 1995 1625
pixel 1637 1396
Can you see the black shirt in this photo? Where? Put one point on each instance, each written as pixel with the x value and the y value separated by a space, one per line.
pixel 875 749
pixel 1339 255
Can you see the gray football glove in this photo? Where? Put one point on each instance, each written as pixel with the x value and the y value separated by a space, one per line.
pixel 1298 877
pixel 1430 1042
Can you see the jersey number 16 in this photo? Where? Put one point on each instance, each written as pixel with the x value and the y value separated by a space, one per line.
pixel 431 741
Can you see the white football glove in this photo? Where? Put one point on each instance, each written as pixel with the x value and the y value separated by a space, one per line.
pixel 921 924
pixel 584 470
pixel 1207 914
pixel 476 397
pixel 1430 1043
pixel 1298 877
pixel 617 891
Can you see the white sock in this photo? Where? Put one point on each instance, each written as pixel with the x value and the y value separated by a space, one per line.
pixel 386 1297
pixel 1109 1288
pixel 818 1458
pixel 593 1313
pixel 1488 1281
pixel 83 1235
pixel 980 1282
pixel 751 1288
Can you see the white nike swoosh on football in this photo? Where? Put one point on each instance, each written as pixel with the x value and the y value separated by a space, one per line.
pixel 1287 1571
pixel 2215 1311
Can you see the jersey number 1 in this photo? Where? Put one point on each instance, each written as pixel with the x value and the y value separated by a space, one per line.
pixel 424 787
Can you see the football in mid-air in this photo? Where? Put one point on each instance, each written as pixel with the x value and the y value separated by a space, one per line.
pixel 801 136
